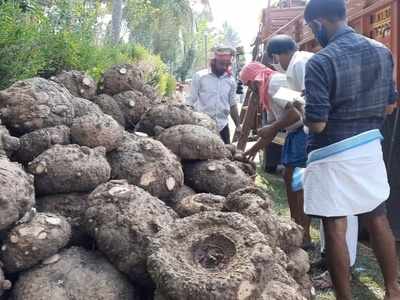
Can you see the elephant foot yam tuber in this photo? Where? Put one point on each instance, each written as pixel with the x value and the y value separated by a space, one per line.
pixel 29 243
pixel 38 141
pixel 17 195
pixel 198 203
pixel 219 177
pixel 74 273
pixel 95 130
pixel 147 163
pixel 35 103
pixel 69 168
pixel 121 78
pixel 77 83
pixel 123 218
pixel 192 142
pixel 110 107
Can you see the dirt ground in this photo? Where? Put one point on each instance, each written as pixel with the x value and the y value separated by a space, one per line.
pixel 367 281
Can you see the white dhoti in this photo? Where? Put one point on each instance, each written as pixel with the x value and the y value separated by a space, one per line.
pixel 347 178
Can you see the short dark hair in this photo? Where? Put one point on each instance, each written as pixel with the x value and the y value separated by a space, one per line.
pixel 280 44
pixel 329 9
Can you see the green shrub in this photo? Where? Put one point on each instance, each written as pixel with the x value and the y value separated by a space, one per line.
pixel 33 43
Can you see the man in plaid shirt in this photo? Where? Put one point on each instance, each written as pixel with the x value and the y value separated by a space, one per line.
pixel 348 88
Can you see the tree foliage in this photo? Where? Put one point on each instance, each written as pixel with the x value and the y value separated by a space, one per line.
pixel 58 35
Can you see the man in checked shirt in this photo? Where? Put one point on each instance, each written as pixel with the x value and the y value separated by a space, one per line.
pixel 348 88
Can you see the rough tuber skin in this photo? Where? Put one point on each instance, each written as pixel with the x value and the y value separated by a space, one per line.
pixel 123 218
pixel 83 107
pixel 38 141
pixel 219 177
pixel 29 243
pixel 133 105
pixel 72 207
pixel 17 195
pixel 194 204
pixel 169 115
pixel 147 163
pixel 192 142
pixel 214 255
pixel 110 107
pixel 121 78
pixel 35 103
pixel 69 168
pixel 77 83
pixel 95 130
pixel 74 273
pixel 8 144
pixel 181 193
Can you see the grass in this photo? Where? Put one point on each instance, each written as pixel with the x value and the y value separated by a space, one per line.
pixel 367 281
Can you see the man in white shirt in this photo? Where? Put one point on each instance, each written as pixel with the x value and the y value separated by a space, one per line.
pixel 283 50
pixel 214 92
pixel 282 115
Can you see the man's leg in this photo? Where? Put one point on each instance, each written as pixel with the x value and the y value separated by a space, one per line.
pixel 296 204
pixel 225 135
pixel 291 196
pixel 304 220
pixel 338 256
pixel 383 243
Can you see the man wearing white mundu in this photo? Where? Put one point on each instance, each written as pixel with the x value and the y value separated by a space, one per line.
pixel 349 84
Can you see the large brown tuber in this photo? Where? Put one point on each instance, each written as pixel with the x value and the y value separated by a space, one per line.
pixel 147 163
pixel 94 130
pixel 35 103
pixel 38 141
pixel 192 142
pixel 78 83
pixel 72 207
pixel 17 195
pixel 194 204
pixel 176 197
pixel 110 107
pixel 8 143
pixel 219 177
pixel 74 274
pixel 70 168
pixel 169 115
pixel 256 205
pixel 123 218
pixel 213 255
pixel 29 243
pixel 133 105
pixel 83 107
pixel 121 78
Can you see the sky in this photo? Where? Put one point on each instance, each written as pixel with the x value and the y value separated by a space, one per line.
pixel 243 16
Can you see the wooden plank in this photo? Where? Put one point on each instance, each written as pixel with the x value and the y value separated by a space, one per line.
pixel 249 121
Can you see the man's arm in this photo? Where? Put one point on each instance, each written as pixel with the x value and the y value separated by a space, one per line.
pixel 317 90
pixel 234 112
pixel 268 133
pixel 235 115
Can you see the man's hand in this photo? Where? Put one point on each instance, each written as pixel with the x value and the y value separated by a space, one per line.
pixel 299 106
pixel 252 152
pixel 268 133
